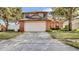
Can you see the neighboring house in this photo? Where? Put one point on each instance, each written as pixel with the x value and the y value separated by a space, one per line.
pixel 37 21
pixel 13 26
pixel 65 23
pixel 75 24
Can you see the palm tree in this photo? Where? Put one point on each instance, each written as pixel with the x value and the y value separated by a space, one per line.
pixel 66 12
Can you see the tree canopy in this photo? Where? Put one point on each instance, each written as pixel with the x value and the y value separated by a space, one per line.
pixel 67 12
pixel 10 13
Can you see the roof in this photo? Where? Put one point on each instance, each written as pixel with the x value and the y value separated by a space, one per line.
pixel 34 20
pixel 35 12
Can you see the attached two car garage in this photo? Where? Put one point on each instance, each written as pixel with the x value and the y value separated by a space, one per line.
pixel 34 25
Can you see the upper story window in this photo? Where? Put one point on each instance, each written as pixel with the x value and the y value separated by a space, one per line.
pixel 37 15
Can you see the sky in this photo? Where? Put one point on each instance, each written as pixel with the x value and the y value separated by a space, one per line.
pixel 31 9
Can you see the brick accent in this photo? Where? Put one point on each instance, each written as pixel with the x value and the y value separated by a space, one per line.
pixel 21 26
pixel 48 24
pixel 54 24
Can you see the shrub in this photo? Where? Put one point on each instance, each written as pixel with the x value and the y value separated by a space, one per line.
pixel 10 30
pixel 77 30
pixel 66 28
pixel 57 28
pixel 49 30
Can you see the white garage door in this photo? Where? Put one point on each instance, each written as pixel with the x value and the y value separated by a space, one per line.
pixel 35 26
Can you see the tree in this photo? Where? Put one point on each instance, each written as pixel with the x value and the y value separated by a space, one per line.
pixel 66 12
pixel 16 13
pixel 10 14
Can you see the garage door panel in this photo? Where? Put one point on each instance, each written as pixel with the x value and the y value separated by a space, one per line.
pixel 35 26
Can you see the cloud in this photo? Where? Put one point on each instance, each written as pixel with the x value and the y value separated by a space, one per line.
pixel 48 9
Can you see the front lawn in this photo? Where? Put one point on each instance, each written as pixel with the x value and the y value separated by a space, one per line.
pixel 71 43
pixel 64 34
pixel 68 37
pixel 8 35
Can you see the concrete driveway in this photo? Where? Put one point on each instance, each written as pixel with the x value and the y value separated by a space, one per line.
pixel 34 41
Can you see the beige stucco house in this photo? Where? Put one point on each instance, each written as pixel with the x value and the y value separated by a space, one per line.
pixel 75 24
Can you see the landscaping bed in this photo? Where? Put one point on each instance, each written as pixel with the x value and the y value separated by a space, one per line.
pixel 8 35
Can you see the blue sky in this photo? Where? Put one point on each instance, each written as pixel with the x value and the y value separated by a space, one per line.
pixel 30 9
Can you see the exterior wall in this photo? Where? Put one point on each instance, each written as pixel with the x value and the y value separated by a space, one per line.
pixel 65 23
pixel 48 24
pixel 75 24
pixel 60 24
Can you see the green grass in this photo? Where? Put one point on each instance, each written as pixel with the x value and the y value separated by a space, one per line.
pixel 64 34
pixel 8 35
pixel 74 44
